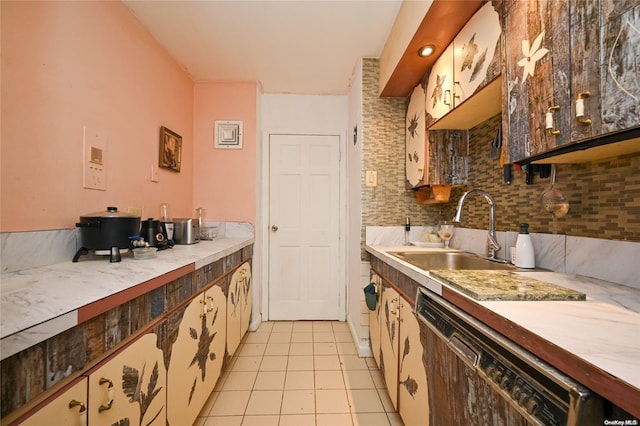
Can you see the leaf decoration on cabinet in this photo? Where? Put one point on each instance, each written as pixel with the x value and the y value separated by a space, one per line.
pixel 410 385
pixel 405 352
pixel 386 316
pixel 478 67
pixel 470 50
pixel 413 125
pixel 132 388
pixel 204 343
pixel 532 54
pixel 234 299
pixel 193 389
pixel 437 94
pixel 246 286
pixel 123 422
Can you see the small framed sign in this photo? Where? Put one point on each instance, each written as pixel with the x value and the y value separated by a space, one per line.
pixel 170 150
pixel 228 135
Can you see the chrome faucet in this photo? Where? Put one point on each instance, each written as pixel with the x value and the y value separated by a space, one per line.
pixel 492 243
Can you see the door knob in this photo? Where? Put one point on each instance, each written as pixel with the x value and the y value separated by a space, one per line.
pixel 274 228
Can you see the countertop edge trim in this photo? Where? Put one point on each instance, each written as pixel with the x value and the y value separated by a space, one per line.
pixel 98 307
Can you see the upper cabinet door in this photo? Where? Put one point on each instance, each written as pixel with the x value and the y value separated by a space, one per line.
pixel 476 53
pixel 585 69
pixel 415 158
pixel 537 76
pixel 620 65
pixel 440 87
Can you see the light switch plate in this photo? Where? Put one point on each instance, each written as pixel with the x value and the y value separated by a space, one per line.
pixel 371 178
pixel 154 173
pixel 94 159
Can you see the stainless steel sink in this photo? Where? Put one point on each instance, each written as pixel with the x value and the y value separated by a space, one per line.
pixel 452 260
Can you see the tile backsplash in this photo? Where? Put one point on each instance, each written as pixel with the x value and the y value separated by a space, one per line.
pixel 604 195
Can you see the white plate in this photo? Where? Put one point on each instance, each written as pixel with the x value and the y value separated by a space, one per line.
pixel 425 244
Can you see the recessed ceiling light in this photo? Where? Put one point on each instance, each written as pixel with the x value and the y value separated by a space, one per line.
pixel 426 50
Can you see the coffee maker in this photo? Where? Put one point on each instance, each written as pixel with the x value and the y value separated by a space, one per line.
pixel 166 223
pixel 154 232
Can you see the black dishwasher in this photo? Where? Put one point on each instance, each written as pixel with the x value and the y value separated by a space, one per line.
pixel 478 377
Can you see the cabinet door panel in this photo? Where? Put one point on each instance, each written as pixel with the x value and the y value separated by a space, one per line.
pixel 416 162
pixel 389 336
pixel 239 304
pixel 196 356
pixel 246 299
pixel 474 48
pixel 413 394
pixel 130 386
pixel 374 321
pixel 233 315
pixel 517 111
pixel 620 69
pixel 538 75
pixel 59 412
pixel 448 157
pixel 585 67
pixel 439 92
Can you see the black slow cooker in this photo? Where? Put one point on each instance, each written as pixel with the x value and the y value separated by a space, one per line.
pixel 108 230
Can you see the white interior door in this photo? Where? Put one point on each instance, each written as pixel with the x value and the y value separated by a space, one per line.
pixel 304 216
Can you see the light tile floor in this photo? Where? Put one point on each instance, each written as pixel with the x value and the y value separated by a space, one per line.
pixel 299 373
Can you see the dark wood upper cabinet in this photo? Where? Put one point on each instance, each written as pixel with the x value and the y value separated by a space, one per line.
pixel 570 78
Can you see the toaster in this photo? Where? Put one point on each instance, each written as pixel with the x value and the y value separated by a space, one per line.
pixel 186 231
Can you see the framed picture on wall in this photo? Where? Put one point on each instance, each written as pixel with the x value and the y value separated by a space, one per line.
pixel 170 149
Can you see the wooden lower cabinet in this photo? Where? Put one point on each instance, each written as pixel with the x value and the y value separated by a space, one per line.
pixel 68 409
pixel 196 357
pixel 239 304
pixel 389 335
pixel 374 320
pixel 399 353
pixel 413 394
pixel 163 377
pixel 131 388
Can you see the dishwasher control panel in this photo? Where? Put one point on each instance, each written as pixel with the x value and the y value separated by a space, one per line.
pixel 526 395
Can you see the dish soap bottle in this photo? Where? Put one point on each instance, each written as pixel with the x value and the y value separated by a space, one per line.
pixel 525 257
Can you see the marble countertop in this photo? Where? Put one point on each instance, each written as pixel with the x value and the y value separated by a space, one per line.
pixel 601 331
pixel 40 302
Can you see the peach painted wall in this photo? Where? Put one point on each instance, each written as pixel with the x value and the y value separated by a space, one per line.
pixel 66 65
pixel 225 179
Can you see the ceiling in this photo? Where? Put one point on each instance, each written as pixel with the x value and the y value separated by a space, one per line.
pixel 291 46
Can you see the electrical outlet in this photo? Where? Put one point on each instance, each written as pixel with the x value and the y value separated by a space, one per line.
pixel 154 173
